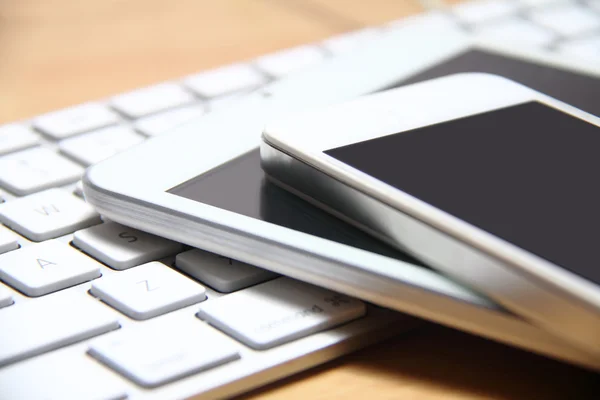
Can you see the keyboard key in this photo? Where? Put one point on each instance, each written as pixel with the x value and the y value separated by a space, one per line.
pixel 46 267
pixel 48 214
pixel 78 119
pixel 350 41
pixel 480 11
pixel 61 376
pixel 121 247
pixel 37 327
pixel 221 273
pixel 567 20
pixel 15 137
pixel 279 311
pixel 287 61
pixel 517 30
pixel 5 297
pixel 588 47
pixel 151 99
pixel 148 291
pixel 93 147
pixel 226 80
pixel 32 170
pixel 165 352
pixel 8 240
pixel 166 121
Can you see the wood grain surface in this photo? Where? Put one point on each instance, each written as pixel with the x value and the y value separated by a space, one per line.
pixel 55 53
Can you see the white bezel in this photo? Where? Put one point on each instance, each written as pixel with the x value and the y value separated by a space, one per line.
pixel 131 188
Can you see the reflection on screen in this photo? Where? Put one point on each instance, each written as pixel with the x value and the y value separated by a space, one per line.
pixel 241 186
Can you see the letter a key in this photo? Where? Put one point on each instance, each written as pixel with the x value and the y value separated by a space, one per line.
pixel 44 268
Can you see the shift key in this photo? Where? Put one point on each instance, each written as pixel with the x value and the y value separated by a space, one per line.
pixel 279 311
pixel 33 328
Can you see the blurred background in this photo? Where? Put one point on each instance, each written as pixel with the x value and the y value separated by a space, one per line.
pixel 56 53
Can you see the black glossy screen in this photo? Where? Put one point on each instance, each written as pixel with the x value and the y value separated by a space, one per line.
pixel 526 173
pixel 576 89
pixel 241 186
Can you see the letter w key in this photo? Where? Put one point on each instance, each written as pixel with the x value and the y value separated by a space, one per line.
pixel 48 214
pixel 47 209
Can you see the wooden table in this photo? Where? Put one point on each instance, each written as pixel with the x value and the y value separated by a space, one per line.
pixel 55 53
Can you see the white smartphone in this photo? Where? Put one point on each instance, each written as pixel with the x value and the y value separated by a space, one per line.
pixel 203 185
pixel 485 179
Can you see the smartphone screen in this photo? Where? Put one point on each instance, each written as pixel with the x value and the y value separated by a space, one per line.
pixel 525 173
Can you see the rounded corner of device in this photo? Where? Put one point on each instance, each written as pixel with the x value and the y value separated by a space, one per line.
pixel 89 181
pixel 269 134
pixel 89 176
pixel 265 144
pixel 265 137
pixel 268 154
pixel 271 150
pixel 94 180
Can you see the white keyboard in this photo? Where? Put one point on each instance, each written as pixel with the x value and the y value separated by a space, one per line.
pixel 93 309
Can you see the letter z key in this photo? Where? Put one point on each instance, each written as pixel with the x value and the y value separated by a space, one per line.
pixel 148 290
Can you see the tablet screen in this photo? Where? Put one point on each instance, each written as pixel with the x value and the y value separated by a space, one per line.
pixel 575 89
pixel 241 187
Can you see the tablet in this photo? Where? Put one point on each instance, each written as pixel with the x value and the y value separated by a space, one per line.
pixel 202 185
